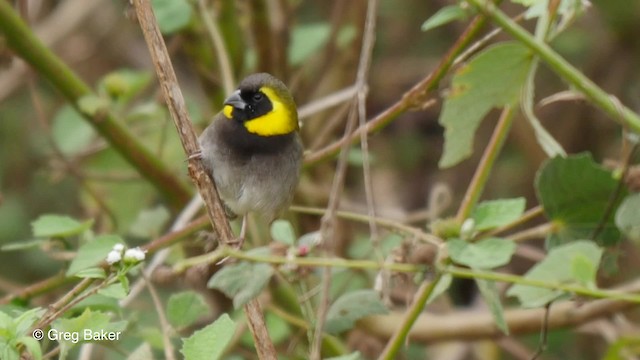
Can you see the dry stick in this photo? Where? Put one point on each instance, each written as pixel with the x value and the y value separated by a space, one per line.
pixel 329 219
pixel 205 184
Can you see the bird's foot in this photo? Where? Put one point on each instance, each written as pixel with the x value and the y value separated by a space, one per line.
pixel 195 156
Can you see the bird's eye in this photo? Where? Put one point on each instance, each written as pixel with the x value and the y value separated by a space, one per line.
pixel 257 97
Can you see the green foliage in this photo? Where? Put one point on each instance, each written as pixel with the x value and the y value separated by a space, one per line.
pixel 492 214
pixel 485 254
pixel 627 217
pixel 491 297
pixel 444 16
pixel 93 252
pixel 282 231
pixel 15 333
pixel 150 222
pixel 58 226
pixel 350 307
pixel 575 193
pixel 209 342
pixel 476 88
pixel 242 281
pixel 90 326
pixel 306 39
pixel 70 132
pixel 575 262
pixel 184 308
pixel 172 15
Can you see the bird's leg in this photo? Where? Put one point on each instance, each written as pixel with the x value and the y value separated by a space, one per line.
pixel 196 155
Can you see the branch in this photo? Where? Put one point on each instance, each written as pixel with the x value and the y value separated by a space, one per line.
pixel 206 186
pixel 608 103
pixel 25 43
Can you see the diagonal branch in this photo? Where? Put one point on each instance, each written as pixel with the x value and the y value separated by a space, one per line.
pixel 25 44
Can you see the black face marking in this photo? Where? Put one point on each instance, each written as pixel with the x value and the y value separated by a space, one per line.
pixel 256 104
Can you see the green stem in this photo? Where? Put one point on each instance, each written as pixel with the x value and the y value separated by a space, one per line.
pixel 606 102
pixel 215 256
pixel 483 171
pixel 515 279
pixel 419 301
pixel 25 43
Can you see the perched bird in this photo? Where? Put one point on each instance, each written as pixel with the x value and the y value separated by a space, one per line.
pixel 254 150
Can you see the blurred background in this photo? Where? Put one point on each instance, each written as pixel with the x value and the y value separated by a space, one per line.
pixel 51 161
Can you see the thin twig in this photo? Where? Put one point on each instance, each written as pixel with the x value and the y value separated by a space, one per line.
pixel 206 186
pixel 169 352
pixel 226 72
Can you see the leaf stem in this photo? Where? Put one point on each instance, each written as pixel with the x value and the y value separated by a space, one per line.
pixel 486 164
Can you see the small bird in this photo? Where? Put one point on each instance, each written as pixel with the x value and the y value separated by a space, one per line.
pixel 253 149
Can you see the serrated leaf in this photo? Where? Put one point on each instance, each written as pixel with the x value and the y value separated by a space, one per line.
pixel 352 306
pixel 282 231
pixel 209 342
pixel 491 214
pixel 242 281
pixel 493 78
pixel 627 217
pixel 485 254
pixel 557 267
pixel 70 131
pixel 172 15
pixel 93 252
pixel 491 297
pixel 150 222
pixel 575 193
pixel 184 308
pixel 306 39
pixel 444 16
pixel 59 226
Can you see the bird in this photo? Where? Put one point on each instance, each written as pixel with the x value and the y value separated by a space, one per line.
pixel 253 151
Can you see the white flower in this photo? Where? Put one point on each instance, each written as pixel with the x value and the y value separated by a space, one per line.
pixel 134 255
pixel 118 247
pixel 114 256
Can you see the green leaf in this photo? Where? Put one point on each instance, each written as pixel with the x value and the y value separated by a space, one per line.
pixel 444 16
pixel 184 308
pixel 58 226
pixel 491 297
pixel 485 254
pixel 558 267
pixel 92 105
pixel 583 270
pixel 142 352
pixel 242 281
pixel 492 214
pixel 85 326
pixel 93 252
pixel 32 346
pixel 22 245
pixel 282 231
pixel 172 15
pixel 306 39
pixel 627 217
pixel 116 291
pixel 93 273
pixel 352 306
pixel 150 222
pixel 493 78
pixel 575 193
pixel 124 84
pixel 209 343
pixel 441 287
pixel 71 132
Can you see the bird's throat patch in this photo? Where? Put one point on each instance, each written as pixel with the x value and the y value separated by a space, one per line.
pixel 227 111
pixel 279 121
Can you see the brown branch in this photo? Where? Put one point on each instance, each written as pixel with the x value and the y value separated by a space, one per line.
pixel 472 325
pixel 206 186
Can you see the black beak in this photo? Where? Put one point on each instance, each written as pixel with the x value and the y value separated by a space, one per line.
pixel 236 101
